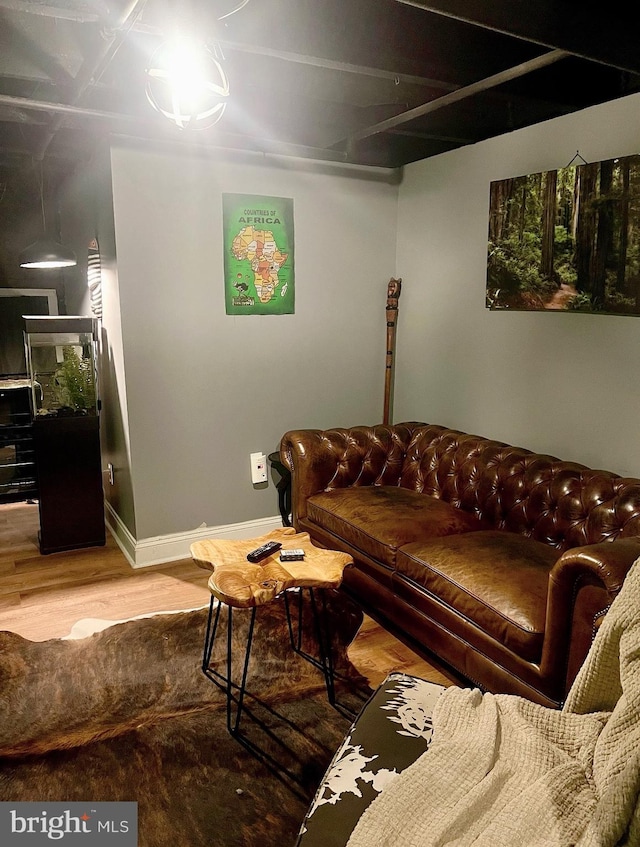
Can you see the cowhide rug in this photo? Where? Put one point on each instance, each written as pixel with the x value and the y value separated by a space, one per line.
pixel 127 714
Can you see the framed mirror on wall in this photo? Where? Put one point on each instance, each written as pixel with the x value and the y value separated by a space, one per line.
pixel 14 303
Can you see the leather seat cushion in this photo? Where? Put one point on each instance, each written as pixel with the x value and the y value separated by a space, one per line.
pixel 497 580
pixel 379 519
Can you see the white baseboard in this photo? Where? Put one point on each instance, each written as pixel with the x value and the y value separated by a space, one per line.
pixel 170 548
pixel 123 538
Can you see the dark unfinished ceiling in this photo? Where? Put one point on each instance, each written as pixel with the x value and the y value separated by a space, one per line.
pixel 370 82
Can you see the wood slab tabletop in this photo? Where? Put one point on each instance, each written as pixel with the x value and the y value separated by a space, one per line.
pixel 243 584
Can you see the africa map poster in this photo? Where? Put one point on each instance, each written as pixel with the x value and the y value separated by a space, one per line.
pixel 258 255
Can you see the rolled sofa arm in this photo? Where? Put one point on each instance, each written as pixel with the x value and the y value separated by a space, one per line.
pixel 582 584
pixel 609 562
pixel 320 460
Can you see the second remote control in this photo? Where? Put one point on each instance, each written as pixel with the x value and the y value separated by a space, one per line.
pixel 261 553
pixel 296 555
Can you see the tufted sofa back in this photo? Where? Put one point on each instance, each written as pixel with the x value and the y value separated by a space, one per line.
pixel 361 455
pixel 561 504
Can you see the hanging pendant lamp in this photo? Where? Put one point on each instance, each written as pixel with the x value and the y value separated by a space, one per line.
pixel 46 252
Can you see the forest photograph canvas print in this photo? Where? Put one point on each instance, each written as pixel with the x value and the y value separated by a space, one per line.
pixel 567 240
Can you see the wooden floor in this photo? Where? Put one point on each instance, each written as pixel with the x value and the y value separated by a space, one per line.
pixel 42 597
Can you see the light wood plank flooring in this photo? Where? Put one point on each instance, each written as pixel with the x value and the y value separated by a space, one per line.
pixel 42 597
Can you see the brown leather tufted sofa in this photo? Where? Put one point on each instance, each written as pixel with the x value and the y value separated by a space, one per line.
pixel 499 561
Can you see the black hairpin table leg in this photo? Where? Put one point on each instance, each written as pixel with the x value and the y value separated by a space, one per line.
pixel 324 660
pixel 225 682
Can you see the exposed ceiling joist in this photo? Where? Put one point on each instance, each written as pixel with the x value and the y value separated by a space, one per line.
pixel 92 66
pixel 607 36
pixel 461 94
pixel 379 83
pixel 67 14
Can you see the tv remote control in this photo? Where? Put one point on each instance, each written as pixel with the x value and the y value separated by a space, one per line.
pixel 295 555
pixel 261 553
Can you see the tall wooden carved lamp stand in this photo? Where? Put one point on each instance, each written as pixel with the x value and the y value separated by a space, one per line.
pixel 393 295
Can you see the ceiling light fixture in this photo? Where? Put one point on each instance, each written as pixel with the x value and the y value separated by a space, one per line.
pixel 46 252
pixel 187 84
pixel 186 81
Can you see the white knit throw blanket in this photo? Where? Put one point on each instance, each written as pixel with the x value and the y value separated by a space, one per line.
pixel 504 772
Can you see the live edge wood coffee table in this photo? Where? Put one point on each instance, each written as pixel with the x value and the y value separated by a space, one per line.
pixel 239 584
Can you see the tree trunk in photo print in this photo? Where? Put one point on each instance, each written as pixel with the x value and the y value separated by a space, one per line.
pixel 548 224
pixel 604 235
pixel 624 230
pixel 585 230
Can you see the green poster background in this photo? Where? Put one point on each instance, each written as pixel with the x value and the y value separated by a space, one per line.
pixel 258 255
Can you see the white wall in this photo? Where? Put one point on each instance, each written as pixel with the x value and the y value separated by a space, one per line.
pixel 205 389
pixel 560 383
pixel 87 213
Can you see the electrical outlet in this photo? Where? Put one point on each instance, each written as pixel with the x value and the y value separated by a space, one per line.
pixel 258 467
pixel 110 472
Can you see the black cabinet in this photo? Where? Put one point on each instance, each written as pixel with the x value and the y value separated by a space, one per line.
pixel 69 482
pixel 66 431
pixel 17 458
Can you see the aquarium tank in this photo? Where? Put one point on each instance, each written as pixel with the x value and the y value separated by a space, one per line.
pixel 61 361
